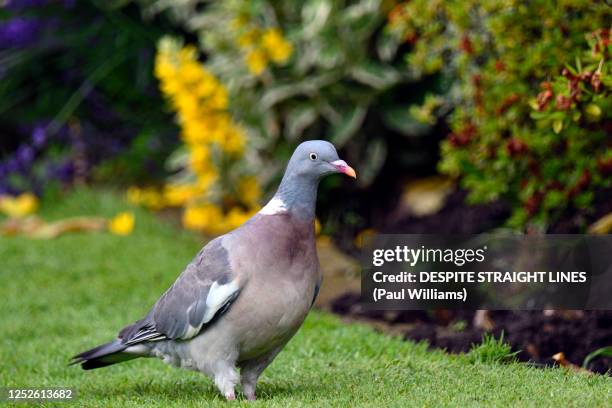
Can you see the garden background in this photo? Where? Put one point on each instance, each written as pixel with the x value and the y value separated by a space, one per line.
pixel 459 117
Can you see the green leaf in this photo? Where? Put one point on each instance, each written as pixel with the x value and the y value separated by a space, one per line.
pixel 593 111
pixel 298 120
pixel 602 352
pixel 398 118
pixel 376 155
pixel 583 200
pixel 315 14
pixel 348 124
pixel 362 16
pixel 557 125
pixel 553 199
pixel 178 159
pixel 387 46
pixel 375 75
pixel 308 87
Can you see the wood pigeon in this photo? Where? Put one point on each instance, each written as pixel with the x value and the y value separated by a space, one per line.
pixel 245 294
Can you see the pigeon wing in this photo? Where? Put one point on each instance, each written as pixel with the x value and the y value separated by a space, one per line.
pixel 202 293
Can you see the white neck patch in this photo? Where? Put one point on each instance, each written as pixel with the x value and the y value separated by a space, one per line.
pixel 275 206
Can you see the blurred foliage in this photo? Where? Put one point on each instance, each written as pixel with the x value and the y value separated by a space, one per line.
pixel 295 71
pixel 530 90
pixel 77 88
pixel 302 70
pixel 523 86
pixel 211 182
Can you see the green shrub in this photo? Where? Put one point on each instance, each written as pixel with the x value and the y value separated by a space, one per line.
pixel 78 99
pixel 531 96
pixel 301 70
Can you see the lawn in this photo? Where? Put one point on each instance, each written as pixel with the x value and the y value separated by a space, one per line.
pixel 62 296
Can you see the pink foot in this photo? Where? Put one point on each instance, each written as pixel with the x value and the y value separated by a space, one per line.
pixel 230 396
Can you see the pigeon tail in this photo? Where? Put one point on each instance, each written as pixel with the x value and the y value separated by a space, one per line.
pixel 103 355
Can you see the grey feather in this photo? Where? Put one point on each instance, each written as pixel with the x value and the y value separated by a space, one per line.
pixel 183 306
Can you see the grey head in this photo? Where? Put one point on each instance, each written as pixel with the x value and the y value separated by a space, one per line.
pixel 310 162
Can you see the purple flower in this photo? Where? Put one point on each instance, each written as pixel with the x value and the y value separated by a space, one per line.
pixel 17 5
pixel 22 4
pixel 66 172
pixel 18 32
pixel 12 165
pixel 39 137
pixel 25 155
pixel 63 172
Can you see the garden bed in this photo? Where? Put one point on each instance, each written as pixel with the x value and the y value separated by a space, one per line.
pixel 535 335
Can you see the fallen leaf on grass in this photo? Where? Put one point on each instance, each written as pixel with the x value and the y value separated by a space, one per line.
pixel 563 362
pixel 34 227
pixel 426 196
pixel 602 225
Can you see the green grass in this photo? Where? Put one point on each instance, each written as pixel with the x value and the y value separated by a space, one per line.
pixel 491 351
pixel 61 296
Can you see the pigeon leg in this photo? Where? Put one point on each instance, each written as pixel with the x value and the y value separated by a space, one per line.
pixel 251 370
pixel 226 378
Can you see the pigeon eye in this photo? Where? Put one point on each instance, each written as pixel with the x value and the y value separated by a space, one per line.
pixel 313 156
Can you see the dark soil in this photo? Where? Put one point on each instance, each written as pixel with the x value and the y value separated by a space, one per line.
pixel 456 217
pixel 537 335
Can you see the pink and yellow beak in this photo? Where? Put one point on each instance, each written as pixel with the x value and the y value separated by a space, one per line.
pixel 344 168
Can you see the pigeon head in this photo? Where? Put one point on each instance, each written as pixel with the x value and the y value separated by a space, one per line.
pixel 310 162
pixel 315 159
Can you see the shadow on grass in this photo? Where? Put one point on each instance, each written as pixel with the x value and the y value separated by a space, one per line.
pixel 194 389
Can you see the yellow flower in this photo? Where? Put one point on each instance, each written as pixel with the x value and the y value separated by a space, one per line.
pixel 20 206
pixel 233 141
pixel 188 105
pixel 163 68
pixel 236 217
pixel 171 86
pixel 202 218
pixel 239 22
pixel 249 38
pixel 201 104
pixel 195 133
pixel 122 224
pixel 134 195
pixel 365 238
pixel 206 178
pixel 187 54
pixel 179 194
pixel 249 191
pixel 148 197
pixel 317 226
pixel 219 99
pixel 191 72
pixel 199 158
pixel 256 61
pixel 205 87
pixel 278 49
